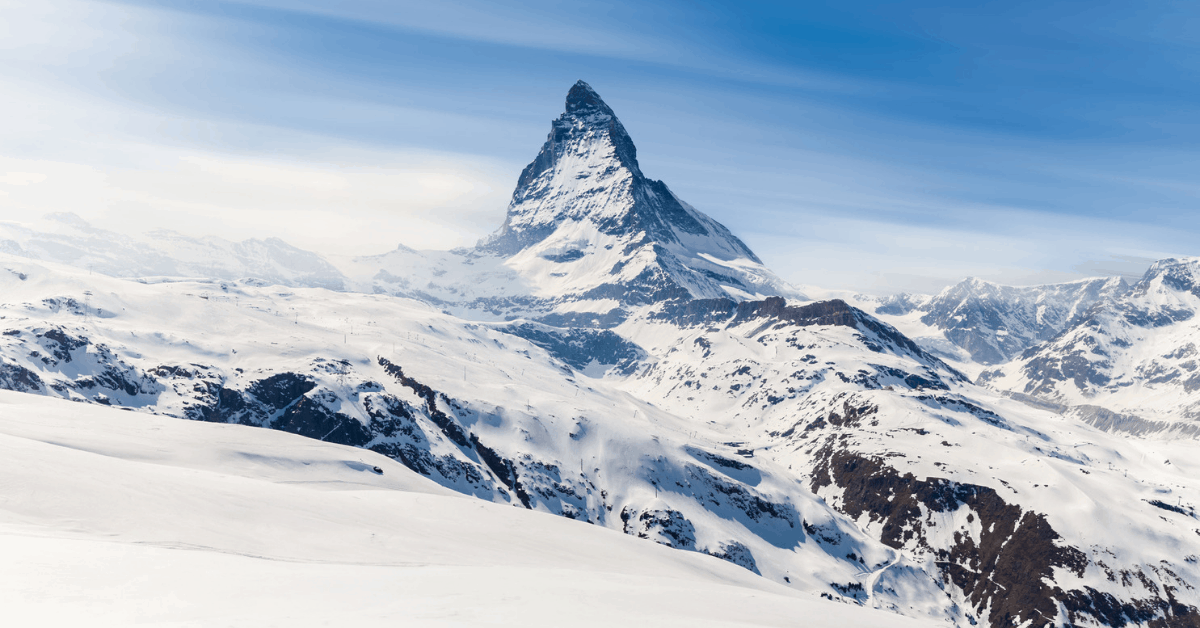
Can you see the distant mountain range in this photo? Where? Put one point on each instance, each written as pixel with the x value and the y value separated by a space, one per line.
pixel 1128 364
pixel 68 239
pixel 994 323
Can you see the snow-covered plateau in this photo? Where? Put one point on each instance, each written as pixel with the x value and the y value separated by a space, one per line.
pixel 745 455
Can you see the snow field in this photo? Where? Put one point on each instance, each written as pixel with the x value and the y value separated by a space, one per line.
pixel 114 518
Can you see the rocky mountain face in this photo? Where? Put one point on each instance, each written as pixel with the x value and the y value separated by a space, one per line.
pixel 613 356
pixel 993 323
pixel 584 197
pixel 1129 364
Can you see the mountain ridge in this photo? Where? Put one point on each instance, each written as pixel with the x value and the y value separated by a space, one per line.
pixel 1128 364
pixel 993 323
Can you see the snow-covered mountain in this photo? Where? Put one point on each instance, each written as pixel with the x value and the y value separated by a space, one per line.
pixel 479 410
pixel 1130 364
pixel 587 239
pixel 613 356
pixel 584 210
pixel 811 444
pixel 993 323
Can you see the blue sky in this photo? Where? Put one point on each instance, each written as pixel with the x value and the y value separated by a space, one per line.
pixel 875 146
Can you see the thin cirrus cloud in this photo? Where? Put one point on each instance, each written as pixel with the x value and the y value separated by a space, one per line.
pixel 870 146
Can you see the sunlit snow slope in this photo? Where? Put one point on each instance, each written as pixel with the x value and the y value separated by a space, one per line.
pixel 111 518
pixel 716 437
pixel 475 407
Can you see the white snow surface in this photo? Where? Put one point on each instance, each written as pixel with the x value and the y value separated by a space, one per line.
pixel 112 518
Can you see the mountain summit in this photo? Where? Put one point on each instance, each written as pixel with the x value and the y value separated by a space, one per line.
pixel 583 212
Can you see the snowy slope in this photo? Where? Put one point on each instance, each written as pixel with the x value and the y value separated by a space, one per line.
pixel 477 409
pixel 113 519
pixel 713 439
pixel 1129 365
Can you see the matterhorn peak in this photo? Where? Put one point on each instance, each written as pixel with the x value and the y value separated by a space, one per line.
pixel 587 172
pixel 584 196
pixel 582 99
